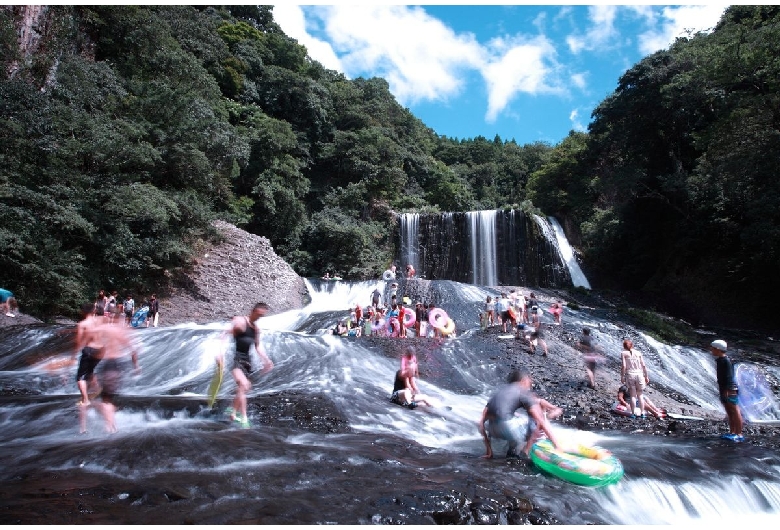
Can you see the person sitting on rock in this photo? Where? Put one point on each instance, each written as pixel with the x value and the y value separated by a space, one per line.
pixel 405 391
pixel 658 412
pixel 341 328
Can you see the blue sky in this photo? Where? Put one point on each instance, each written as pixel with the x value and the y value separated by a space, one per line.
pixel 524 72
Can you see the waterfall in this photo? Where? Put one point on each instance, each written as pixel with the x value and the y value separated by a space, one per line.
pixel 410 239
pixel 577 276
pixel 487 248
pixel 483 247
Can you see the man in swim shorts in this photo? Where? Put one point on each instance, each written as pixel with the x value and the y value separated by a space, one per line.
pixel 246 335
pixel 91 347
pixel 499 421
pixel 728 389
pixel 502 307
pixel 113 343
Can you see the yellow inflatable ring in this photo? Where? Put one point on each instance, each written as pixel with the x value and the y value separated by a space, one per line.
pixel 448 328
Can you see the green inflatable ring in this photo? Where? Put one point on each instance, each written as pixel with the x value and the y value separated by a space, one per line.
pixel 585 466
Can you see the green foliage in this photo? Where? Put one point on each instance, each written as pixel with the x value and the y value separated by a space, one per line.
pixel 684 154
pixel 135 126
pixel 561 187
pixel 661 327
pixel 339 244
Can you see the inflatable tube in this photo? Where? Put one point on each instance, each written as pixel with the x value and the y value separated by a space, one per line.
pixel 388 275
pixel 620 410
pixel 583 465
pixel 512 313
pixel 437 318
pixel 756 399
pixel 555 310
pixel 139 317
pixel 409 319
pixel 376 325
pixel 449 328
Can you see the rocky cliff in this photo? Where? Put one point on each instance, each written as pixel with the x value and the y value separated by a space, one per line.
pixel 228 278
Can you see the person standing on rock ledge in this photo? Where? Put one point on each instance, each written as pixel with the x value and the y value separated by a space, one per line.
pixel 728 389
pixel 246 333
pixel 590 355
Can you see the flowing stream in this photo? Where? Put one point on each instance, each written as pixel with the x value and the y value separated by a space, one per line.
pixel 168 440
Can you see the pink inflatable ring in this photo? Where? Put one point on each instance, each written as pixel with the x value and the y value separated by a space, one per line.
pixel 438 318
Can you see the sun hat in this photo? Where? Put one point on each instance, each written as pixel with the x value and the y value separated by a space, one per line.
pixel 719 344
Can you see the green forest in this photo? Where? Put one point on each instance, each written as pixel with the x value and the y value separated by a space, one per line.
pixel 130 128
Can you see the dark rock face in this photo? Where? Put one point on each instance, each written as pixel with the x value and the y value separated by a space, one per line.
pixel 229 278
pixel 523 249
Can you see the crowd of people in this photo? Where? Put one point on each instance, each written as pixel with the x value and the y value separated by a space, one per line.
pixel 101 337
pixel 396 318
pixel 113 308
pixel 515 309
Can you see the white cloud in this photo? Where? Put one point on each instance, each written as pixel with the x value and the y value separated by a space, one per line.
pixel 517 67
pixel 292 21
pixel 676 22
pixel 421 58
pixel 601 32
pixel 578 80
pixel 576 124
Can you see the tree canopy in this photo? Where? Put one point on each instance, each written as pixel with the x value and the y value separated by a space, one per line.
pixel 135 126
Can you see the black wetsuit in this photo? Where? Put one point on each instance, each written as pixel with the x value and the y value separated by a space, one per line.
pixel 398 387
pixel 727 383
pixel 90 357
pixel 244 342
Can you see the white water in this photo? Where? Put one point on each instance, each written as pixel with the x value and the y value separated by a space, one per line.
pixel 410 241
pixel 483 247
pixel 567 254
pixel 668 481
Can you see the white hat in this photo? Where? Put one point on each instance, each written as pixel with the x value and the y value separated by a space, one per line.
pixel 719 344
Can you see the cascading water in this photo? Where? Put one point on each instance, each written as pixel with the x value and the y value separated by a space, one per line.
pixel 483 247
pixel 567 253
pixel 410 237
pixel 489 248
pixel 168 441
